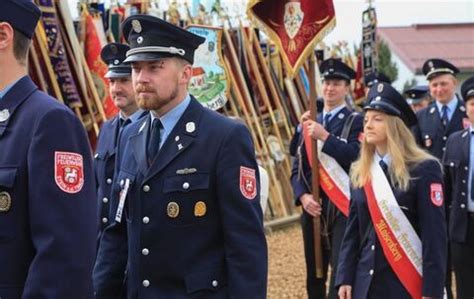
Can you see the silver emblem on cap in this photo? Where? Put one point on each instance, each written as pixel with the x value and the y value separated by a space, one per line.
pixel 190 127
pixel 430 64
pixel 4 115
pixel 137 27
pixel 116 61
pixel 139 39
pixel 378 98
pixel 380 87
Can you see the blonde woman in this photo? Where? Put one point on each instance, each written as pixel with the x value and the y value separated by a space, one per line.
pixel 395 242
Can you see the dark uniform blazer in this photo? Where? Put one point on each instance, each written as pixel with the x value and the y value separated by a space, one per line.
pixel 104 166
pixel 191 232
pixel 364 266
pixel 47 235
pixel 430 133
pixel 456 166
pixel 105 160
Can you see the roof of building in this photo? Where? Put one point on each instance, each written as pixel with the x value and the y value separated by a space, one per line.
pixel 417 43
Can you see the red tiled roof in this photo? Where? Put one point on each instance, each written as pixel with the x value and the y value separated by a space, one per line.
pixel 198 71
pixel 417 43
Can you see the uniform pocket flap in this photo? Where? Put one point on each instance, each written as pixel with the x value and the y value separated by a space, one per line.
pixel 205 280
pixel 185 183
pixel 7 176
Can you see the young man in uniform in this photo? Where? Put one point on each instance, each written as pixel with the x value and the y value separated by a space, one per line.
pixel 338 129
pixel 188 186
pixel 444 116
pixel 459 166
pixel 121 91
pixel 47 198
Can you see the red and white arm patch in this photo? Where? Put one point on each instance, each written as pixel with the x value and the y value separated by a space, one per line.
pixel 248 182
pixel 69 171
pixel 436 191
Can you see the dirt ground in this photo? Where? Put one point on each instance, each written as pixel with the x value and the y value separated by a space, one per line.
pixel 286 273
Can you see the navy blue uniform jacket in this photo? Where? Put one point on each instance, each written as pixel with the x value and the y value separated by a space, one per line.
pixel 456 165
pixel 218 253
pixel 430 133
pixel 364 266
pixel 47 237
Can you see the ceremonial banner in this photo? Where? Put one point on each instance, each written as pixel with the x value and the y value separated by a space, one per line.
pixel 333 179
pixel 209 83
pixel 369 42
pixel 57 54
pixel 94 42
pixel 295 26
pixel 401 245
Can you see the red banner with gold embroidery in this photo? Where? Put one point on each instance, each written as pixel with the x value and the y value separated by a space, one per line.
pixel 93 46
pixel 295 26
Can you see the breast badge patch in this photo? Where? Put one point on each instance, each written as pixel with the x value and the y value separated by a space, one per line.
pixel 436 194
pixel 248 182
pixel 69 171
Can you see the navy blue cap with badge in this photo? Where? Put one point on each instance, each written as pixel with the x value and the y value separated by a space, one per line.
pixel 114 55
pixel 151 38
pixel 467 89
pixel 22 15
pixel 384 98
pixel 375 77
pixel 416 94
pixel 435 67
pixel 336 69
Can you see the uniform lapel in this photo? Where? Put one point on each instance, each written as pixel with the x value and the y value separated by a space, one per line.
pixel 180 138
pixel 112 137
pixel 13 99
pixel 138 144
pixel 465 144
pixel 458 115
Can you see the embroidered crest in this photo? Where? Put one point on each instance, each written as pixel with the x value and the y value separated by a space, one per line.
pixel 137 26
pixel 293 19
pixel 436 194
pixel 69 171
pixel 248 182
pixel 380 88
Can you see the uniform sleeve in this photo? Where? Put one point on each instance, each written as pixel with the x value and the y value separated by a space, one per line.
pixel 348 255
pixel 345 152
pixel 300 173
pixel 242 225
pixel 62 209
pixel 433 232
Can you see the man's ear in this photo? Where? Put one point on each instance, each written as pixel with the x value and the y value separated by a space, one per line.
pixel 6 35
pixel 186 74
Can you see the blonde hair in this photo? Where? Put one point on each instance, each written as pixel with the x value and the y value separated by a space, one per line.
pixel 403 151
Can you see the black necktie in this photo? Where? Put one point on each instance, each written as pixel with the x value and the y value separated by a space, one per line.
pixel 153 141
pixel 444 116
pixel 384 167
pixel 326 119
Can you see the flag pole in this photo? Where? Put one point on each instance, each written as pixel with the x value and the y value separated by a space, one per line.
pixel 314 171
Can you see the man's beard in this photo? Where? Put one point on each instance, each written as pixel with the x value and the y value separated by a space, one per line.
pixel 153 100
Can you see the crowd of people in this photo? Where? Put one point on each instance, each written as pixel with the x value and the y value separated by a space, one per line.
pixel 169 205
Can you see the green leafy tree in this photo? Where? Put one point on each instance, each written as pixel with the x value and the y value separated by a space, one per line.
pixel 409 84
pixel 385 64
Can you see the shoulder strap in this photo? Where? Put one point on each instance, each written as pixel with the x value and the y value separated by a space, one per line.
pixel 348 125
